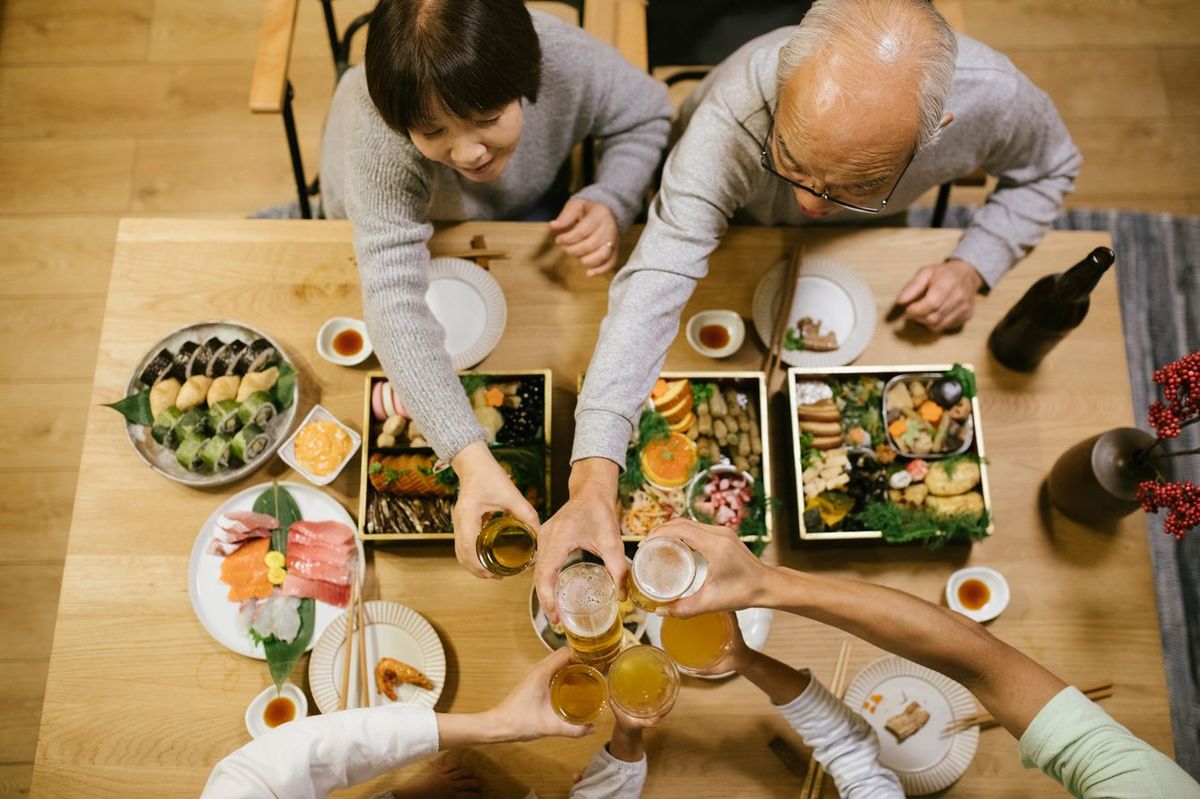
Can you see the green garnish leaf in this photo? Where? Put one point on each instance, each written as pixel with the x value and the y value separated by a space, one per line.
pixel 807 450
pixel 135 408
pixel 901 525
pixel 375 468
pixel 948 464
pixel 702 392
pixel 793 340
pixel 283 393
pixel 652 426
pixel 472 382
pixel 277 502
pixel 965 378
pixel 282 657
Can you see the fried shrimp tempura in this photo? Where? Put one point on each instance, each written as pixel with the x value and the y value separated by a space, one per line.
pixel 391 672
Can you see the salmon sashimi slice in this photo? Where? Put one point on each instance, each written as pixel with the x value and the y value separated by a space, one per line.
pixel 245 571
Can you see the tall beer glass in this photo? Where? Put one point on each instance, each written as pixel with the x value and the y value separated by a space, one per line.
pixel 587 605
pixel 506 546
pixel 699 643
pixel 578 693
pixel 664 569
pixel 643 682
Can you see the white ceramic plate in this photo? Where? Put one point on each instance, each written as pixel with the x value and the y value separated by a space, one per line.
pixel 755 624
pixel 928 761
pixel 160 458
pixel 392 630
pixel 469 304
pixel 825 291
pixel 210 596
pixel 998 592
pixel 287 453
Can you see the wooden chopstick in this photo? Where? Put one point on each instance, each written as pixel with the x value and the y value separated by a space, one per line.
pixel 364 692
pixel 775 348
pixel 815 776
pixel 344 700
pixel 474 253
pixel 986 720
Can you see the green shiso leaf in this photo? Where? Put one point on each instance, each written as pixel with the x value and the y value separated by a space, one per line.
pixel 282 656
pixel 702 392
pixel 277 502
pixel 135 408
pixel 652 426
pixel 283 393
pixel 473 382
pixel 965 378
pixel 793 340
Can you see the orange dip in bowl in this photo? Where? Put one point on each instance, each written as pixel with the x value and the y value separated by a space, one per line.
pixel 670 462
pixel 321 445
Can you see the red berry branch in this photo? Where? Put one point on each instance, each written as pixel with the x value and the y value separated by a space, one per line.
pixel 1179 407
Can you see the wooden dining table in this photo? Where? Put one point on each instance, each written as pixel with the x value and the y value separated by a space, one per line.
pixel 140 701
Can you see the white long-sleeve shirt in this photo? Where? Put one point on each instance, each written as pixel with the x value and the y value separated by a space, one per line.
pixel 309 758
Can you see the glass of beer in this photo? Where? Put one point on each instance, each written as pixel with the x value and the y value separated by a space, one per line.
pixel 578 693
pixel 506 546
pixel 663 570
pixel 699 643
pixel 643 682
pixel 587 606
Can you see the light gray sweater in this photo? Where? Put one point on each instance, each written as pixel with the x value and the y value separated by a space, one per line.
pixel 392 193
pixel 1002 122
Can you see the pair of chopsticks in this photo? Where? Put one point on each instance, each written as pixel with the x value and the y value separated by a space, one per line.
pixel 355 623
pixel 986 720
pixel 775 350
pixel 479 253
pixel 811 787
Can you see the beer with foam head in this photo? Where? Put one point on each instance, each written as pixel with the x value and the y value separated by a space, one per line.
pixel 578 693
pixel 699 643
pixel 643 682
pixel 663 570
pixel 587 606
pixel 506 546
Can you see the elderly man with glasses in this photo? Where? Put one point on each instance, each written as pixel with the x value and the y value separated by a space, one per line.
pixel 852 115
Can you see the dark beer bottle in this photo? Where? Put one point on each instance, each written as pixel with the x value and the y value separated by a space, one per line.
pixel 1052 308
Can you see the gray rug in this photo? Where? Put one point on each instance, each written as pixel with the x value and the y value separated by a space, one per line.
pixel 1158 277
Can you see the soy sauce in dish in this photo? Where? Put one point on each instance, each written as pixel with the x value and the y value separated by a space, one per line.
pixel 714 336
pixel 348 342
pixel 279 710
pixel 973 594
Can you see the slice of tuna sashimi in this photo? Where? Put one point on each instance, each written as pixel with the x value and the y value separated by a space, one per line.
pixel 243 521
pixel 315 551
pixel 336 573
pixel 337 595
pixel 245 571
pixel 328 533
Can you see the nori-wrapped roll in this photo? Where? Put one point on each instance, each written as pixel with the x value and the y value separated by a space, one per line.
pixel 189 453
pixel 183 359
pixel 249 443
pixel 191 424
pixel 257 408
pixel 257 357
pixel 200 359
pixel 225 360
pixel 158 368
pixel 223 417
pixel 216 453
pixel 164 427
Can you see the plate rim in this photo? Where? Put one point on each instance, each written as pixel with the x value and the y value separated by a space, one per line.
pixel 856 289
pixel 201 541
pixel 963 745
pixel 374 611
pixel 492 294
pixel 232 475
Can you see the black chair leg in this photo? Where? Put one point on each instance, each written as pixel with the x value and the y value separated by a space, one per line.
pixel 939 207
pixel 289 127
pixel 331 31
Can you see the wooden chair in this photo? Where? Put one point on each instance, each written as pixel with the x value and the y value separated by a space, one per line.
pixel 271 91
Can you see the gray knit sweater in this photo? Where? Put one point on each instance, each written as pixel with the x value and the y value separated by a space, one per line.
pixel 380 181
pixel 1002 122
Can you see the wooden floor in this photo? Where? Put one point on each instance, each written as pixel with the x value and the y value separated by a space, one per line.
pixel 138 107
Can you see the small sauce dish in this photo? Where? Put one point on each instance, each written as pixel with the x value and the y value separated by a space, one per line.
pixel 977 592
pixel 344 341
pixel 716 333
pixel 257 713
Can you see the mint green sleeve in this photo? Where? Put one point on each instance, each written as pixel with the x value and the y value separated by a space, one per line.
pixel 1081 747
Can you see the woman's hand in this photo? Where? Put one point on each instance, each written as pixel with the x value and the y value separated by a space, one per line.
pixel 738 655
pixel 526 715
pixel 588 230
pixel 735 577
pixel 484 487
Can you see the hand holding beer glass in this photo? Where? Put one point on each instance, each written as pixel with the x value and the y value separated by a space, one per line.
pixel 735 577
pixel 484 488
pixel 527 713
pixel 587 605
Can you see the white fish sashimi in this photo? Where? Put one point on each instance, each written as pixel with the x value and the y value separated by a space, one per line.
pixel 278 615
pixel 245 617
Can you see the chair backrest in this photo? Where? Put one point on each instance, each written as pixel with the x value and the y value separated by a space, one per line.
pixel 563 11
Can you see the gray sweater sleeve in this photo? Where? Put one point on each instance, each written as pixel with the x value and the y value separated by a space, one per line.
pixel 388 199
pixel 706 179
pixel 1036 163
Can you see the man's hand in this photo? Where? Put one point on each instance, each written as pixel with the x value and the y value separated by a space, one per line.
pixel 738 656
pixel 588 231
pixel 735 577
pixel 941 296
pixel 484 487
pixel 526 714
pixel 587 521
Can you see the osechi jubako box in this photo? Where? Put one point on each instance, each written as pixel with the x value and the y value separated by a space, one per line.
pixel 408 494
pixel 700 451
pixel 890 452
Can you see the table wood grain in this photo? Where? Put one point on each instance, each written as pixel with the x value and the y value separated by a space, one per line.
pixel 141 702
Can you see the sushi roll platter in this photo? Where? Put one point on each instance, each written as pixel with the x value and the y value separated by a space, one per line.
pixel 408 494
pixel 210 403
pixel 890 453
pixel 700 452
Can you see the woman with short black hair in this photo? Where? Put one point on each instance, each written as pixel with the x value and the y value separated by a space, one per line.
pixel 469 109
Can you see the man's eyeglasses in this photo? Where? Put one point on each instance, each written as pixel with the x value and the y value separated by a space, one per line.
pixel 861 207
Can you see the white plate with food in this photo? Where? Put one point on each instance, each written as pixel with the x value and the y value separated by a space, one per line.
pixel 469 305
pixel 220 398
pixel 910 708
pixel 404 656
pixel 228 620
pixel 833 313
